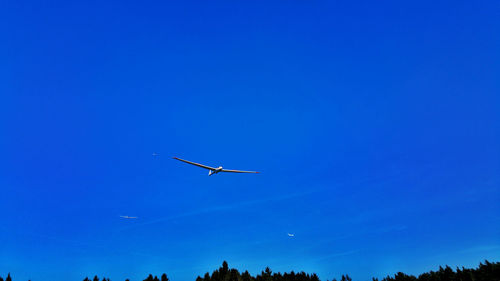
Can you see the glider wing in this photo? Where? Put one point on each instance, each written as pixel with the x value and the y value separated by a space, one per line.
pixel 196 164
pixel 238 171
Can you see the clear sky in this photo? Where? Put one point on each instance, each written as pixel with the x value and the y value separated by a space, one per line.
pixel 375 126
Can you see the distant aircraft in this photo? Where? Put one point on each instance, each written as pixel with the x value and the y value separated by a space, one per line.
pixel 155 154
pixel 213 170
pixel 290 235
pixel 127 217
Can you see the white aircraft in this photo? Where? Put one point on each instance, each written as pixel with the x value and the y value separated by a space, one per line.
pixel 155 154
pixel 127 217
pixel 213 170
pixel 290 235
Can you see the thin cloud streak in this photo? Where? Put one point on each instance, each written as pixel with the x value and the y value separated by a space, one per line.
pixel 220 208
pixel 483 248
pixel 320 243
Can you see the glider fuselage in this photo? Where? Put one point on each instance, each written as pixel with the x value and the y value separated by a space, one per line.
pixel 215 171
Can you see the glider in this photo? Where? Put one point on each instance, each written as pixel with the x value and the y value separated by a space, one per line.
pixel 155 154
pixel 127 217
pixel 291 235
pixel 212 170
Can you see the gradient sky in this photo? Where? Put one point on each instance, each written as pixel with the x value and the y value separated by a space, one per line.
pixel 376 126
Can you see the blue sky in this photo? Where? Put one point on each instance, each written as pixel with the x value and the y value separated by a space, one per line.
pixel 375 126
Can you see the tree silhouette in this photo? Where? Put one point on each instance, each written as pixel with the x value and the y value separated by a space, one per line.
pixel 245 276
pixel 400 276
pixel 346 278
pixel 233 275
pixel 486 271
pixel 225 269
pixel 206 277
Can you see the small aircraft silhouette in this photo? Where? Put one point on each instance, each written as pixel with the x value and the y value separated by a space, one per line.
pixel 290 235
pixel 155 154
pixel 213 170
pixel 127 217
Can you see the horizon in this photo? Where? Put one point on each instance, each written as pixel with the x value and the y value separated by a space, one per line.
pixel 483 270
pixel 374 126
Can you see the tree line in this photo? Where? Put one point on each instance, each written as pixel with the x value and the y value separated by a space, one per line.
pixel 149 278
pixel 486 271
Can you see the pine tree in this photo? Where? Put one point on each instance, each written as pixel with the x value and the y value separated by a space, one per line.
pixel 216 276
pixel 400 276
pixel 8 277
pixel 150 278
pixel 314 277
pixel 86 279
pixel 96 278
pixel 206 277
pixel 233 275
pixel 346 278
pixel 225 269
pixel 165 278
